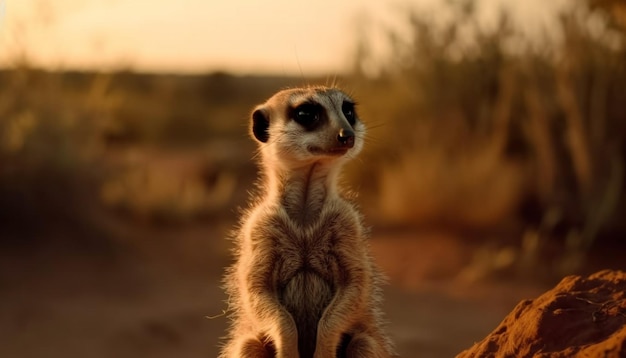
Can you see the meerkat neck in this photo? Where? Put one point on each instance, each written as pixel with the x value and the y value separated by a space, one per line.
pixel 303 191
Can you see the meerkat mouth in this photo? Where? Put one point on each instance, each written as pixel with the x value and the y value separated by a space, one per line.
pixel 335 151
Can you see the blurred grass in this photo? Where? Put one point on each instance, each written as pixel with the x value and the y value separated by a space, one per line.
pixel 491 131
pixel 474 130
pixel 77 147
pixel 49 144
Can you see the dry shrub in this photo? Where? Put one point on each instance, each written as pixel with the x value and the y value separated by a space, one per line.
pixel 477 189
pixel 477 127
pixel 168 188
pixel 49 151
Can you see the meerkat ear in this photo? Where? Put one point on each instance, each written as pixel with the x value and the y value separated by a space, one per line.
pixel 261 125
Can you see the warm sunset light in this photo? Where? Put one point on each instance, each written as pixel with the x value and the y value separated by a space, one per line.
pixel 244 36
pixel 227 178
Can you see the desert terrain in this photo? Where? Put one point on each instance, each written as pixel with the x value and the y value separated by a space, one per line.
pixel 164 302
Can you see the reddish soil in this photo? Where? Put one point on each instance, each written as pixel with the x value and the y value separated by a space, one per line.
pixel 580 317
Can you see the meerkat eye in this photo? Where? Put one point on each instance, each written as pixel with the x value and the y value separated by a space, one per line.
pixel 307 115
pixel 348 110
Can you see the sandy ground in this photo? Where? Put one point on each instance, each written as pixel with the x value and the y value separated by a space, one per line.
pixel 67 303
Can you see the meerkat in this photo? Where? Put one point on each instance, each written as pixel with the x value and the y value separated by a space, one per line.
pixel 303 283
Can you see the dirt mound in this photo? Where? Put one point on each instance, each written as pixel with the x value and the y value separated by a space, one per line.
pixel 580 317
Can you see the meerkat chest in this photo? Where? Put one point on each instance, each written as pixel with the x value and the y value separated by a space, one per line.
pixel 310 252
pixel 317 249
pixel 321 247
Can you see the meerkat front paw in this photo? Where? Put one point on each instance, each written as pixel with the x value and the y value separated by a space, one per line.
pixel 361 345
pixel 253 347
pixel 326 349
pixel 289 352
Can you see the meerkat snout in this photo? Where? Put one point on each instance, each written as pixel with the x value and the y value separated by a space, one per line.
pixel 346 137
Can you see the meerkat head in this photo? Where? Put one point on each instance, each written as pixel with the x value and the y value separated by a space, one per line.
pixel 300 126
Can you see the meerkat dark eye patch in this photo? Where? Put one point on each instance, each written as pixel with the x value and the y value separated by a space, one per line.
pixel 307 115
pixel 348 110
pixel 260 125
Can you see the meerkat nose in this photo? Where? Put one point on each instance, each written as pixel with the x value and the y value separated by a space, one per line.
pixel 346 137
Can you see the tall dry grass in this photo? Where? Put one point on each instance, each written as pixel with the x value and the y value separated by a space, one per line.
pixel 48 150
pixel 490 129
pixel 80 152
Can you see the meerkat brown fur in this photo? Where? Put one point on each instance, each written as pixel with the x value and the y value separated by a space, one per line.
pixel 303 284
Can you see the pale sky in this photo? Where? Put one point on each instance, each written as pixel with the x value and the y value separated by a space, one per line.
pixel 241 36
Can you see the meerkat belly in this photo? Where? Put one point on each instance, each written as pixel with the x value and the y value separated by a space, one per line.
pixel 305 296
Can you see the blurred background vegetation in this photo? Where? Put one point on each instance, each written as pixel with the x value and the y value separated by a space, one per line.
pixel 494 164
pixel 515 139
pixel 512 142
